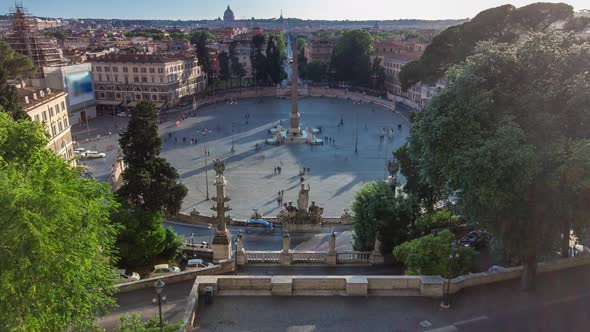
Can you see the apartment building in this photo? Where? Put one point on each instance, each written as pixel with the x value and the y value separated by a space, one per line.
pixel 417 96
pixel 50 108
pixel 320 48
pixel 126 79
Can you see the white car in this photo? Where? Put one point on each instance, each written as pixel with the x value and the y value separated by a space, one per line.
pixel 94 154
pixel 80 151
pixel 124 277
pixel 163 269
pixel 197 264
pixel 122 114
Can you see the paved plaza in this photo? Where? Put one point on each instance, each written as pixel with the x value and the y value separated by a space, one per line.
pixel 336 171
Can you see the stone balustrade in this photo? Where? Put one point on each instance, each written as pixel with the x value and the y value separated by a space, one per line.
pixel 254 257
pixel 353 257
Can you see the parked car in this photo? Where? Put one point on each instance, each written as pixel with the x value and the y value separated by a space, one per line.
pixel 122 276
pixel 258 223
pixel 122 114
pixel 79 151
pixel 94 154
pixel 475 239
pixel 163 269
pixel 196 263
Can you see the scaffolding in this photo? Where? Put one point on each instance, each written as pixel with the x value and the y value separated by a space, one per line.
pixel 26 39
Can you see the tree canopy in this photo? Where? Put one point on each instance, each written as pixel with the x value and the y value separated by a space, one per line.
pixel 500 24
pixel 510 135
pixel 150 182
pixel 56 239
pixel 351 57
pixel 368 208
pixel 13 66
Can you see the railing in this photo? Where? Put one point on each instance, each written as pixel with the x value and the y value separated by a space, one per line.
pixel 263 256
pixel 308 257
pixel 331 220
pixel 353 257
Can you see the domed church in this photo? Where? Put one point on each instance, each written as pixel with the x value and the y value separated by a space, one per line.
pixel 228 16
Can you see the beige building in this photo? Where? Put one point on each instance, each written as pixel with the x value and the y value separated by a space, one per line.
pixel 320 49
pixel 418 95
pixel 126 79
pixel 50 107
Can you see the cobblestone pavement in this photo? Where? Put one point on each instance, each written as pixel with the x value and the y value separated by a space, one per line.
pixel 336 171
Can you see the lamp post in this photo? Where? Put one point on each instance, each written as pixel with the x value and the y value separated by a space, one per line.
pixel 192 238
pixel 209 227
pixel 356 136
pixel 233 147
pixel 453 257
pixel 204 133
pixel 236 256
pixel 159 299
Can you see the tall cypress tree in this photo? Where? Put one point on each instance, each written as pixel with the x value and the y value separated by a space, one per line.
pixel 150 182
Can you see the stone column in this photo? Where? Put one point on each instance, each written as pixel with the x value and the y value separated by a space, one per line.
pixel 331 258
pixel 222 240
pixel 294 120
pixel 242 259
pixel 286 253
pixel 376 257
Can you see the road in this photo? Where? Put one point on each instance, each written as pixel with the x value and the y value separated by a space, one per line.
pixel 266 239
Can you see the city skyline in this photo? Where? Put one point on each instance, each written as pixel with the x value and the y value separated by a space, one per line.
pixel 245 9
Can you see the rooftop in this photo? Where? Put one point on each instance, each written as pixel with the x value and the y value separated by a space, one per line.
pixel 145 58
pixel 30 97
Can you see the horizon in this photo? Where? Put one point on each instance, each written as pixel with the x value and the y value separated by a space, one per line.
pixel 262 9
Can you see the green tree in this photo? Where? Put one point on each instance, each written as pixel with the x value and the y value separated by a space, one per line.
pixel 500 24
pixel 258 60
pixel 351 57
pixel 316 71
pixel 394 223
pixel 507 135
pixel 377 75
pixel 280 44
pixel 224 70
pixel 13 66
pixel 368 206
pixel 56 240
pixel 274 63
pixel 150 182
pixel 425 194
pixel 429 255
pixel 143 237
pixel 133 323
pixel 237 68
pixel 200 39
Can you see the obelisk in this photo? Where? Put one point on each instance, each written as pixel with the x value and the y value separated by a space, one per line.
pixel 294 128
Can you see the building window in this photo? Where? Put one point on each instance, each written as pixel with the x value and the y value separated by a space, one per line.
pixel 108 78
pixel 136 79
pixel 116 78
pixel 98 68
pixel 135 70
pixel 143 79
pixel 125 70
pixel 155 97
pixel 161 70
pixel 53 130
pixel 115 69
pixel 51 112
pixel 63 105
pixel 37 117
pixel 56 108
pixel 118 96
pixel 107 69
pixel 66 123
pixel 138 97
pixel 152 70
pixel 152 79
pixel 161 80
pixel 59 125
pixel 143 70
pixel 126 80
pixel 100 78
pixel 44 116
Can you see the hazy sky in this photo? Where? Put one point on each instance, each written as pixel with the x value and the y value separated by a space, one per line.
pixel 307 9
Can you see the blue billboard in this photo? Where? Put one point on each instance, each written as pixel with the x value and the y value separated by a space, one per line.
pixel 79 87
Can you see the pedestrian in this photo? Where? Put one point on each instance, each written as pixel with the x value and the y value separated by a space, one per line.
pixel 282 193
pixel 308 170
pixel 302 179
pixel 275 170
pixel 279 194
pixel 280 169
pixel 175 139
pixel 333 141
pixel 278 201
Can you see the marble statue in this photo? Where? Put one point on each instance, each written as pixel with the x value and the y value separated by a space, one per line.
pixel 303 199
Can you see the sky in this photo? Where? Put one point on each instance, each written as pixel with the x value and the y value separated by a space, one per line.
pixel 306 9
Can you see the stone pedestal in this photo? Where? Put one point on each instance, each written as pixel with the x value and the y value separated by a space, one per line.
pixel 376 257
pixel 331 257
pixel 221 246
pixel 286 252
pixel 241 254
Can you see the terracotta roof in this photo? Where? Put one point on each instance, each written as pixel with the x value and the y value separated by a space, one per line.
pixel 144 58
pixel 31 91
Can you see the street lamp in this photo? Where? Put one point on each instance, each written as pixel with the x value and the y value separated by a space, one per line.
pixel 453 257
pixel 159 299
pixel 192 237
pixel 236 255
pixel 204 132
pixel 209 227
pixel 233 147
pixel 356 142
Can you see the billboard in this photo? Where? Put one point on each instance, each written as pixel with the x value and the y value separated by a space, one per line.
pixel 79 88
